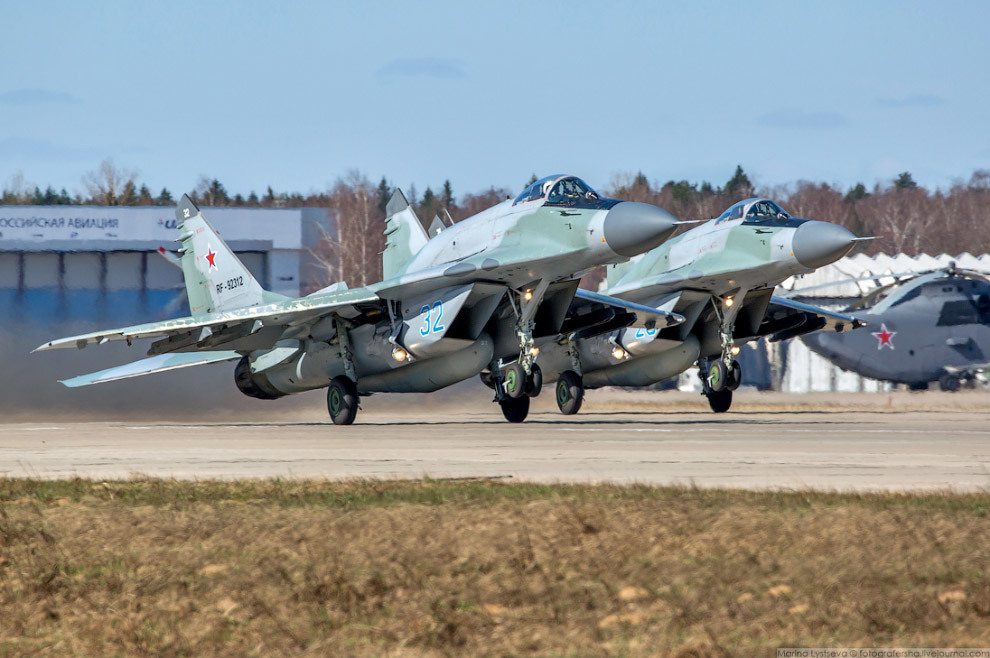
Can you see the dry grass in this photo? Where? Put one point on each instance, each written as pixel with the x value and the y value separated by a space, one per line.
pixel 482 568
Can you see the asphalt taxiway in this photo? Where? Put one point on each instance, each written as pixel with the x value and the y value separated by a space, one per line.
pixel 888 449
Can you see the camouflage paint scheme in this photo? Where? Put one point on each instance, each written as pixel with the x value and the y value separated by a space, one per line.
pixel 477 295
pixel 720 276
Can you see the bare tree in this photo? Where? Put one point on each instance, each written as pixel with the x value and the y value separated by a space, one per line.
pixel 16 191
pixel 107 184
pixel 353 253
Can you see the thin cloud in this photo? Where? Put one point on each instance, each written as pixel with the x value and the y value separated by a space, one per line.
pixel 914 100
pixel 422 67
pixel 36 97
pixel 802 120
pixel 21 147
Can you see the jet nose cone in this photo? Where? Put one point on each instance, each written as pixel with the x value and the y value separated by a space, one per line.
pixel 632 228
pixel 820 243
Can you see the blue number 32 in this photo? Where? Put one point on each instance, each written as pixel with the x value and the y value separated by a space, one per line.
pixel 435 326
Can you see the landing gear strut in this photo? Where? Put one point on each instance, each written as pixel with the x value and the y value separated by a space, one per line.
pixel 721 376
pixel 521 380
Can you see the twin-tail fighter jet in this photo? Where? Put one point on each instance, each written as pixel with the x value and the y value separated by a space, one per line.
pixel 720 276
pixel 479 295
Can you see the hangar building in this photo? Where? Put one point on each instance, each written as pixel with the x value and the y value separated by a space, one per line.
pixel 64 264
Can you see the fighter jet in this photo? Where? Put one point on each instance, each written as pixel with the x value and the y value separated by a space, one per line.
pixel 720 276
pixel 477 295
pixel 927 327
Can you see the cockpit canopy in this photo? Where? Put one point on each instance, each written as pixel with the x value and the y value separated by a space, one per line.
pixel 558 190
pixel 755 211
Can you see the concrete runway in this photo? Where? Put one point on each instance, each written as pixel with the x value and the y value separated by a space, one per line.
pixel 835 449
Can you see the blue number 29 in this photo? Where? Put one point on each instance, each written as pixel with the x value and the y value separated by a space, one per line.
pixel 429 328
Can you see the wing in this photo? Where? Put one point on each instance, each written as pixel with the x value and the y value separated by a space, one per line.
pixel 266 323
pixel 153 364
pixel 643 313
pixel 786 318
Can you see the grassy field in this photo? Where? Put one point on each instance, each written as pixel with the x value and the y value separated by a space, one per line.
pixel 436 568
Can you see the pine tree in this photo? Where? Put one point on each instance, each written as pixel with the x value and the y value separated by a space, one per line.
pixel 165 198
pixel 739 184
pixel 129 196
pixel 384 192
pixel 447 197
pixel 144 196
pixel 856 192
pixel 63 198
pixel 252 199
pixel 37 198
pixel 904 181
pixel 532 179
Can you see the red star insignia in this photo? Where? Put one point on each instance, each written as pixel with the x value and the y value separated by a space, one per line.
pixel 884 337
pixel 210 257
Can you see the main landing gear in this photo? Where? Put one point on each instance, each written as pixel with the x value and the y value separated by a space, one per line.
pixel 342 400
pixel 570 392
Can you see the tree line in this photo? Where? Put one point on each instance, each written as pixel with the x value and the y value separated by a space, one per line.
pixel 904 216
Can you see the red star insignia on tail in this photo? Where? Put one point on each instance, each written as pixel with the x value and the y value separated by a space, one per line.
pixel 884 337
pixel 211 257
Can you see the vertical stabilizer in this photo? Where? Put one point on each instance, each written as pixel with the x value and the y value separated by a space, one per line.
pixel 404 235
pixel 216 280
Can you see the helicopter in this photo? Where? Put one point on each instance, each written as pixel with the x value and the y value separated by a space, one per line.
pixel 931 326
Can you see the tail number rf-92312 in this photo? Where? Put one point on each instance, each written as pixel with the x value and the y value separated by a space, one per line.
pixel 230 284
pixel 433 314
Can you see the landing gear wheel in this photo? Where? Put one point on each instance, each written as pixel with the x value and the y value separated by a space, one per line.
pixel 342 400
pixel 514 381
pixel 534 383
pixel 515 410
pixel 949 382
pixel 570 392
pixel 734 377
pixel 717 375
pixel 720 401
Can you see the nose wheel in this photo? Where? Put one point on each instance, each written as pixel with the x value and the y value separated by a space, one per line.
pixel 516 383
pixel 515 410
pixel 718 380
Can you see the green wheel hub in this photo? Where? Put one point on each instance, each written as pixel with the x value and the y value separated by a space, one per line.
pixel 563 392
pixel 714 375
pixel 511 383
pixel 335 402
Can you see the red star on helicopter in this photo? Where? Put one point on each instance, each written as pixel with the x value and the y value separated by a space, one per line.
pixel 884 337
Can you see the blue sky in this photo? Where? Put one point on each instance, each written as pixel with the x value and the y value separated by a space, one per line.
pixel 295 94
